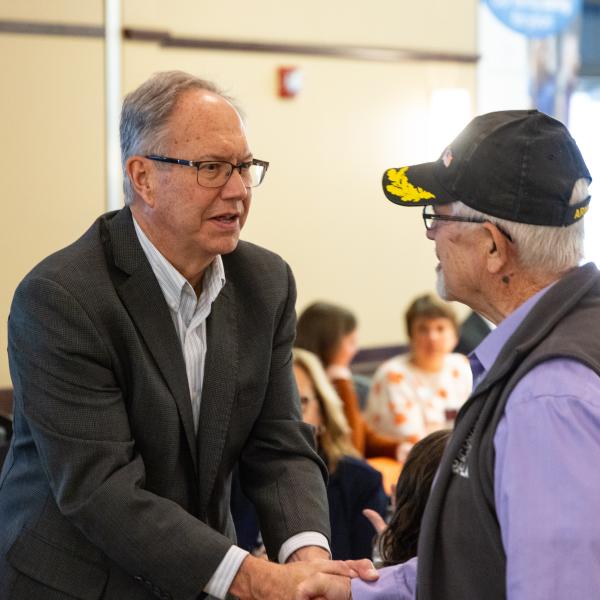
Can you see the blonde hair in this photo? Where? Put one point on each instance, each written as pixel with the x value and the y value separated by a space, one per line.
pixel 334 440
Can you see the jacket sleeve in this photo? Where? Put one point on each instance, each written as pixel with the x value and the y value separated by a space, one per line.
pixel 280 470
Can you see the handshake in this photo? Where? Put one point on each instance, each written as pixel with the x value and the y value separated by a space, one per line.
pixel 331 579
pixel 305 577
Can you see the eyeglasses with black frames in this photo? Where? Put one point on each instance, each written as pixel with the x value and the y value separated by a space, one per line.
pixel 430 217
pixel 216 173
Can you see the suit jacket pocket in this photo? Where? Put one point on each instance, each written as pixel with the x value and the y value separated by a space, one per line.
pixel 57 568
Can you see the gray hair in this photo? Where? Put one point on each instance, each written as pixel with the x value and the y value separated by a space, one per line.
pixel 146 111
pixel 541 249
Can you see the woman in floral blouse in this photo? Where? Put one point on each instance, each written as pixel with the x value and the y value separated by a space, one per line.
pixel 419 392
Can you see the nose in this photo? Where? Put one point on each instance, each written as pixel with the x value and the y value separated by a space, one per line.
pixel 433 334
pixel 235 188
pixel 430 233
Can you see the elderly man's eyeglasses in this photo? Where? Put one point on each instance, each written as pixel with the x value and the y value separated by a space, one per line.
pixel 216 173
pixel 430 217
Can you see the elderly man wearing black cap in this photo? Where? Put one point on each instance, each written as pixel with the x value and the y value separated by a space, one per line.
pixel 514 509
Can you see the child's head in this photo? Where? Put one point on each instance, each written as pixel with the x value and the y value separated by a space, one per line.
pixel 398 542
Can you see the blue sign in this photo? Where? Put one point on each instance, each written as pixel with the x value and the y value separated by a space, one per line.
pixel 536 18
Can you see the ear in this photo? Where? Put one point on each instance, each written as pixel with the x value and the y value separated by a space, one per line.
pixel 497 249
pixel 140 176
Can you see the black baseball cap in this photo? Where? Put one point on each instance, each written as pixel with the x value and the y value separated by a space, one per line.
pixel 518 165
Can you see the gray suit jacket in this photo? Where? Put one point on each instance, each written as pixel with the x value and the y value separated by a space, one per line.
pixel 107 491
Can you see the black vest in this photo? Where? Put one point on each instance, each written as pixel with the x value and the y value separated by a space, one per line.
pixel 460 551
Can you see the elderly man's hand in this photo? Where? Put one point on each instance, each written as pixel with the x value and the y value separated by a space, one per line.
pixel 258 580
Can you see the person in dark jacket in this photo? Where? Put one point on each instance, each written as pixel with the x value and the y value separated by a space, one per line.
pixel 148 358
pixel 513 512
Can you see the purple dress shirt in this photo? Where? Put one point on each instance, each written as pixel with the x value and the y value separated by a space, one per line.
pixel 546 481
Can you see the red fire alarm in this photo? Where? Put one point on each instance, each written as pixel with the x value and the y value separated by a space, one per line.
pixel 290 81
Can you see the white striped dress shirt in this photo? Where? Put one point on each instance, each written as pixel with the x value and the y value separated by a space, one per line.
pixel 188 312
pixel 189 315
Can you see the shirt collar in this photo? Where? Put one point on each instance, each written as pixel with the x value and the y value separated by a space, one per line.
pixel 488 350
pixel 171 281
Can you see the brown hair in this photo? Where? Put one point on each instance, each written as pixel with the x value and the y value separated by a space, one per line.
pixel 430 307
pixel 321 327
pixel 398 542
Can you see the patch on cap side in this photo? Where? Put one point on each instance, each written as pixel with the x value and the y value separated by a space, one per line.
pixel 580 211
pixel 447 157
pixel 400 186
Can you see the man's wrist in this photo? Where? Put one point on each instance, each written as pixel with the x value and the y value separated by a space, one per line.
pixel 309 553
pixel 252 575
pixel 302 540
pixel 220 582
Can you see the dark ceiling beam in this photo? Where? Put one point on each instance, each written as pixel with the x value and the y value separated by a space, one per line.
pixel 59 29
pixel 165 39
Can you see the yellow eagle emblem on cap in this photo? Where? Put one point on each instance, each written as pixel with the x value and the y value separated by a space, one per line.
pixel 400 186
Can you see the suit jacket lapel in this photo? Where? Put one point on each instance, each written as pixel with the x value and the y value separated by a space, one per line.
pixel 218 389
pixel 144 300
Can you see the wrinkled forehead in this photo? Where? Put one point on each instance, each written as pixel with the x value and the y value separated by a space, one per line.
pixel 202 120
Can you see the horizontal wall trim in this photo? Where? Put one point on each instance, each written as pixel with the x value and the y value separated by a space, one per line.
pixel 60 29
pixel 165 39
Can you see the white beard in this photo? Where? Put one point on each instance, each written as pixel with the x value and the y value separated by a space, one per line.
pixel 440 285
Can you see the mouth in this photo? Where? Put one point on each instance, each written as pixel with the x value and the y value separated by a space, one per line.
pixel 227 221
pixel 226 217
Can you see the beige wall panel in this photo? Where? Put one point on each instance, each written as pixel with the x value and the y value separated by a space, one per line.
pixel 52 153
pixel 321 206
pixel 74 12
pixel 431 25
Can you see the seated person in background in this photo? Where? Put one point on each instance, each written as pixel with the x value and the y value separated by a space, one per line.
pixel 419 392
pixel 353 485
pixel 330 332
pixel 398 540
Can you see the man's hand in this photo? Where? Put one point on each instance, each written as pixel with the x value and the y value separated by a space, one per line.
pixel 261 580
pixel 335 587
pixel 329 587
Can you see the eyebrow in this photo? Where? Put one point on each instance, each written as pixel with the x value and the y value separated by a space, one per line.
pixel 217 157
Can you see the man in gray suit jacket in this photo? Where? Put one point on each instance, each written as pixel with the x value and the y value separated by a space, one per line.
pixel 147 358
